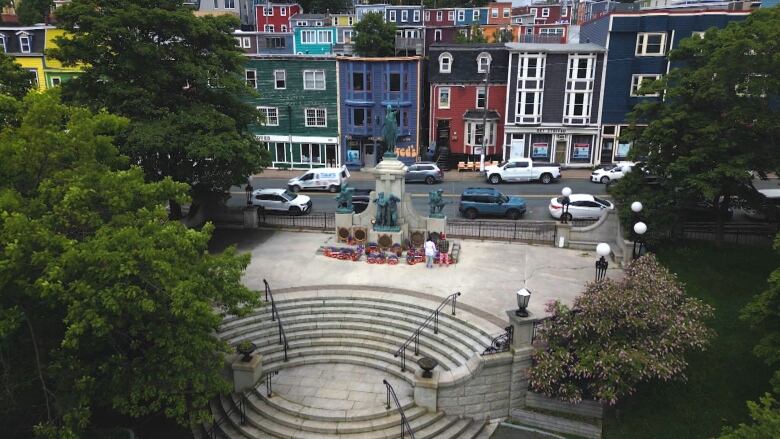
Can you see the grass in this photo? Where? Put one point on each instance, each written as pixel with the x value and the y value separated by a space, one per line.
pixel 724 377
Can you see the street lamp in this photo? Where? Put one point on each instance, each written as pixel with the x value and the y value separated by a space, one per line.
pixel 523 297
pixel 566 192
pixel 249 189
pixel 602 250
pixel 636 207
pixel 639 228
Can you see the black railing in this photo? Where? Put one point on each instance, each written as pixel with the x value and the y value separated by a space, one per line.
pixel 529 231
pixel 269 391
pixel 416 334
pixel 315 221
pixel 755 234
pixel 405 427
pixel 213 432
pixel 501 343
pixel 275 317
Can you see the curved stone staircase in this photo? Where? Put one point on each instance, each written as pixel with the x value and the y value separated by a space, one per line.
pixel 348 334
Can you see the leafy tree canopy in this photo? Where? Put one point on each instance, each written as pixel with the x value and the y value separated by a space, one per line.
pixel 14 80
pixel 177 77
pixel 325 6
pixel 33 11
pixel 106 306
pixel 473 35
pixel 619 333
pixel 373 37
pixel 766 417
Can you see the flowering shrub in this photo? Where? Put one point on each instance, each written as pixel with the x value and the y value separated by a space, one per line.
pixel 619 333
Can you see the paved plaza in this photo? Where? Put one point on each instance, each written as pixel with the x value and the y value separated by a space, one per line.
pixel 487 275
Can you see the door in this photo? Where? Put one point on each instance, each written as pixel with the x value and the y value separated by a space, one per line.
pixel 606 150
pixel 524 171
pixel 413 173
pixel 307 181
pixel 443 134
pixel 560 152
pixel 275 202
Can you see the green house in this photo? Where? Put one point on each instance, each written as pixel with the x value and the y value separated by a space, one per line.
pixel 298 99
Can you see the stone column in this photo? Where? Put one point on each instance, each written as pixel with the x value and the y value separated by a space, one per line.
pixel 438 225
pixel 562 235
pixel 250 217
pixel 426 391
pixel 343 220
pixel 521 362
pixel 246 374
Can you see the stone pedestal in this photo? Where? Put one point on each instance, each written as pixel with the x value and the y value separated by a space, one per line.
pixel 523 329
pixel 343 220
pixel 438 225
pixel 562 234
pixel 397 237
pixel 246 374
pixel 426 391
pixel 390 177
pixel 250 217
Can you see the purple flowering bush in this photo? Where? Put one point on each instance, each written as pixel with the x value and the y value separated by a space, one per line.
pixel 617 334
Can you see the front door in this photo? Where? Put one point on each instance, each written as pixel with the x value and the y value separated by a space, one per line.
pixel 560 152
pixel 443 134
pixel 606 150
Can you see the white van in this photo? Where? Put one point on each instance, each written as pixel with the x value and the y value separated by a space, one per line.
pixel 329 179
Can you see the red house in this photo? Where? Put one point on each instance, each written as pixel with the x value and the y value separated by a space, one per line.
pixel 546 13
pixel 499 13
pixel 275 17
pixel 463 118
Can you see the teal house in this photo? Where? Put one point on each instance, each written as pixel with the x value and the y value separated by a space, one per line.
pixel 313 34
pixel 298 100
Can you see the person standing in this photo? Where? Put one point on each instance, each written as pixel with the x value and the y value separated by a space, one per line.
pixel 430 252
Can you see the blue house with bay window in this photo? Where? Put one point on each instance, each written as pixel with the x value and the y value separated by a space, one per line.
pixel 637 47
pixel 366 87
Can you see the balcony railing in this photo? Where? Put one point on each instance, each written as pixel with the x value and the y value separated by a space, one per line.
pixel 543 39
pixel 409 44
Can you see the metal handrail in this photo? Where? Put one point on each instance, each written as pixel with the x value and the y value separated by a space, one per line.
pixel 275 317
pixel 416 334
pixel 405 427
pixel 501 343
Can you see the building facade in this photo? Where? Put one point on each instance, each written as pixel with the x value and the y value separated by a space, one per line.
pixel 367 86
pixel 275 17
pixel 26 45
pixel 298 100
pixel 553 102
pixel 244 10
pixel 465 113
pixel 313 34
pixel 637 45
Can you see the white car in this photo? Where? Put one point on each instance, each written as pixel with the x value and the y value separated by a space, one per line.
pixel 581 206
pixel 281 200
pixel 608 175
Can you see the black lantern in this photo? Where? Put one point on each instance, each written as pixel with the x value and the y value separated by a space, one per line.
pixel 523 297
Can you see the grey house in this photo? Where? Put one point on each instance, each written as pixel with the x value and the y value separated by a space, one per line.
pixel 243 9
pixel 552 104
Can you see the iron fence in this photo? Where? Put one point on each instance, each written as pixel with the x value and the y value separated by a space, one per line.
pixel 313 221
pixel 755 234
pixel 527 231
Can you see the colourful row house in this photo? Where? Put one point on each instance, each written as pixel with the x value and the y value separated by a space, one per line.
pixel 367 87
pixel 313 34
pixel 27 46
pixel 298 98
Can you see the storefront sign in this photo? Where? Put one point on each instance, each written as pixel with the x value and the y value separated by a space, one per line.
pixel 353 156
pixel 551 130
pixel 581 151
pixel 540 150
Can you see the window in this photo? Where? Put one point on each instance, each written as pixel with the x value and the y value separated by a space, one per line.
pixel 437 35
pixel 270 116
pixel 404 15
pixel 275 43
pixel 494 12
pixel 284 28
pixel 280 79
pixel 533 12
pixel 439 15
pixel 347 36
pixel 269 28
pixel 314 79
pixel 416 16
pixel 2 44
pixel 316 117
pixel 302 23
pixel 34 79
pixel 557 31
pixel 529 31
pixel 461 15
pixel 318 23
pixel 530 85
pixel 636 84
pixel 483 62
pixel 358 79
pixel 216 4
pixel 650 44
pixel 506 12
pixel 451 15
pixel 481 97
pixel 545 12
pixel 392 16
pixel 55 81
pixel 475 15
pixel 281 151
pixel 394 82
pixel 230 4
pixel 361 117
pixel 308 37
pixel 444 97
pixel 476 130
pixel 445 63
pixel 564 11
pixel 246 42
pixel 325 36
pixel 698 34
pixel 24 43
pixel 251 78
pixel 283 12
pixel 580 79
pixel 268 12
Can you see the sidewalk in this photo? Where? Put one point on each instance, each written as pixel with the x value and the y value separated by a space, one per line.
pixel 452 175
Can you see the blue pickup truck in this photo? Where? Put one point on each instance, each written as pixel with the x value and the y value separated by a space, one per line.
pixel 489 201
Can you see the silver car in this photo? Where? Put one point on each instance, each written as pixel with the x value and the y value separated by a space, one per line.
pixel 424 172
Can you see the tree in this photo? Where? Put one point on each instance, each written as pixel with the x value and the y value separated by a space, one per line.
pixel 177 77
pixel 106 306
pixel 325 6
pixel 14 80
pixel 766 415
pixel 718 123
pixel 34 11
pixel 473 35
pixel 619 333
pixel 373 37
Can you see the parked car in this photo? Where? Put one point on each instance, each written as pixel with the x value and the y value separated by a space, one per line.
pixel 488 201
pixel 281 200
pixel 769 209
pixel 611 174
pixel 581 206
pixel 703 211
pixel 426 172
pixel 329 179
pixel 523 170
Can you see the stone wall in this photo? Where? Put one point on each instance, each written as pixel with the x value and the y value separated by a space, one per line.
pixel 486 394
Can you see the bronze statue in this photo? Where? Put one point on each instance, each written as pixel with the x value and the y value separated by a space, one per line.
pixel 390 130
pixel 381 207
pixel 344 198
pixel 436 203
pixel 386 210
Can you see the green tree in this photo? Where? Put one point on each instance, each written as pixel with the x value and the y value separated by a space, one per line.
pixel 106 306
pixel 373 37
pixel 177 77
pixel 325 6
pixel 766 417
pixel 14 80
pixel 473 35
pixel 618 334
pixel 33 11
pixel 719 119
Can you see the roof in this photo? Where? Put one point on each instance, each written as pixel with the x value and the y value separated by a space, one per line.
pixel 309 16
pixel 479 114
pixel 480 190
pixel 554 48
pixel 269 191
pixel 580 197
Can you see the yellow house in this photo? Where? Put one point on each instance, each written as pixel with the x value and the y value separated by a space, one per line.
pixel 342 20
pixel 54 72
pixel 25 44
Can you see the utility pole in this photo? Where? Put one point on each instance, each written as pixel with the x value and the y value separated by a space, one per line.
pixel 484 121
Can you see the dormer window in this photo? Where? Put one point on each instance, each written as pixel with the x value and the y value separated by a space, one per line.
pixel 445 63
pixel 2 43
pixel 25 42
pixel 483 62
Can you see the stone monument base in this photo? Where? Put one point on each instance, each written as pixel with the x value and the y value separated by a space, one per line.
pixel 396 237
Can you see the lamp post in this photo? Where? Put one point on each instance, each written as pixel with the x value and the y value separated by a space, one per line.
pixel 566 192
pixel 602 250
pixel 639 228
pixel 484 122
pixel 249 189
pixel 523 297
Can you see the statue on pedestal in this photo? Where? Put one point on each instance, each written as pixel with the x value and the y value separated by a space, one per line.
pixel 390 131
pixel 386 212
pixel 344 199
pixel 436 203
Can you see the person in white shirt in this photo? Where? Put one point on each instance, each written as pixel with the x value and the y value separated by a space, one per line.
pixel 430 253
